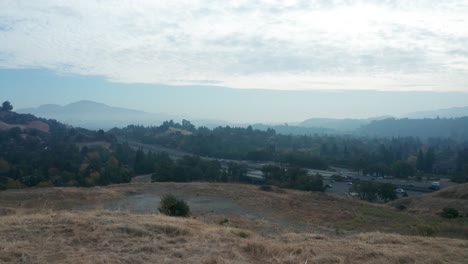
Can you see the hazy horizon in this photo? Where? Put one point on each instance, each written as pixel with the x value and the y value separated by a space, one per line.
pixel 32 88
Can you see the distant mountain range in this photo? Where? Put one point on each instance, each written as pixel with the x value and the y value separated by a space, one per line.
pixel 94 115
pixel 452 112
pixel 349 125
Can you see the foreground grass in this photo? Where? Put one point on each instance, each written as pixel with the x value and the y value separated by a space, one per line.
pixel 114 237
pixel 246 206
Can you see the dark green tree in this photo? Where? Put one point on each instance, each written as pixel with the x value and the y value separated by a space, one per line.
pixel 402 169
pixel 7 106
pixel 375 191
pixel 420 161
pixel 429 160
pixel 386 192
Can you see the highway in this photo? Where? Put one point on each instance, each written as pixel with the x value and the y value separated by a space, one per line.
pixel 342 188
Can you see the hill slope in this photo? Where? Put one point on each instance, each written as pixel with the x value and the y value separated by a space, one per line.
pixel 231 223
pixel 115 237
pixel 342 125
pixel 35 151
pixel 455 196
pixel 339 125
pixel 9 120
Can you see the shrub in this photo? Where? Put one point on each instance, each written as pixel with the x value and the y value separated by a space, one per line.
pixel 401 207
pixel 449 212
pixel 426 230
pixel 224 221
pixel 271 188
pixel 172 206
pixel 266 188
pixel 243 234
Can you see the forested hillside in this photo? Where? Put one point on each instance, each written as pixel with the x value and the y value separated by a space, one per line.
pixel 42 152
pixel 454 128
pixel 47 153
pixel 392 156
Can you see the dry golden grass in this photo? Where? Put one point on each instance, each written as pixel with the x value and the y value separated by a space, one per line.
pixel 459 191
pixel 56 198
pixel 455 196
pixel 42 226
pixel 39 125
pixel 115 237
pixel 245 206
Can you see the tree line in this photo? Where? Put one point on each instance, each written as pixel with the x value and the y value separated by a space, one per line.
pixel 401 157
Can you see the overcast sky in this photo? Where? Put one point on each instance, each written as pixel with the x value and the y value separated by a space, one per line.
pixel 286 45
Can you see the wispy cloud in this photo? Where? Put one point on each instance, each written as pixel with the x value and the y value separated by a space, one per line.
pixel 384 45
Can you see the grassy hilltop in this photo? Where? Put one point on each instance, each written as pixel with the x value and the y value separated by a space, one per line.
pixel 231 223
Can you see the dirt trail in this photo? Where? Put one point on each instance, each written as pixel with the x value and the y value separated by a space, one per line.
pixel 213 208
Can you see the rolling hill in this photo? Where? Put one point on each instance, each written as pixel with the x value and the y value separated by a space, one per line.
pixel 337 124
pixel 9 120
pixel 455 128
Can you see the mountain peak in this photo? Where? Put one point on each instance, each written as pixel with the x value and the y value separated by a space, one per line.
pixel 86 103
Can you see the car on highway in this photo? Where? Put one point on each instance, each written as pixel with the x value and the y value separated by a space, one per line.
pixel 435 186
pixel 400 190
pixel 350 183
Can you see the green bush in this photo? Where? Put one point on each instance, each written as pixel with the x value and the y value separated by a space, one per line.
pixel 172 206
pixel 243 234
pixel 426 230
pixel 449 212
pixel 401 207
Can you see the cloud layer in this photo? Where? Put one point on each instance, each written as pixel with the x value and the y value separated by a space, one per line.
pixel 383 45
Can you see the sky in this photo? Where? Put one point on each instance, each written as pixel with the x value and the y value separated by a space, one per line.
pixel 255 60
pixel 265 44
